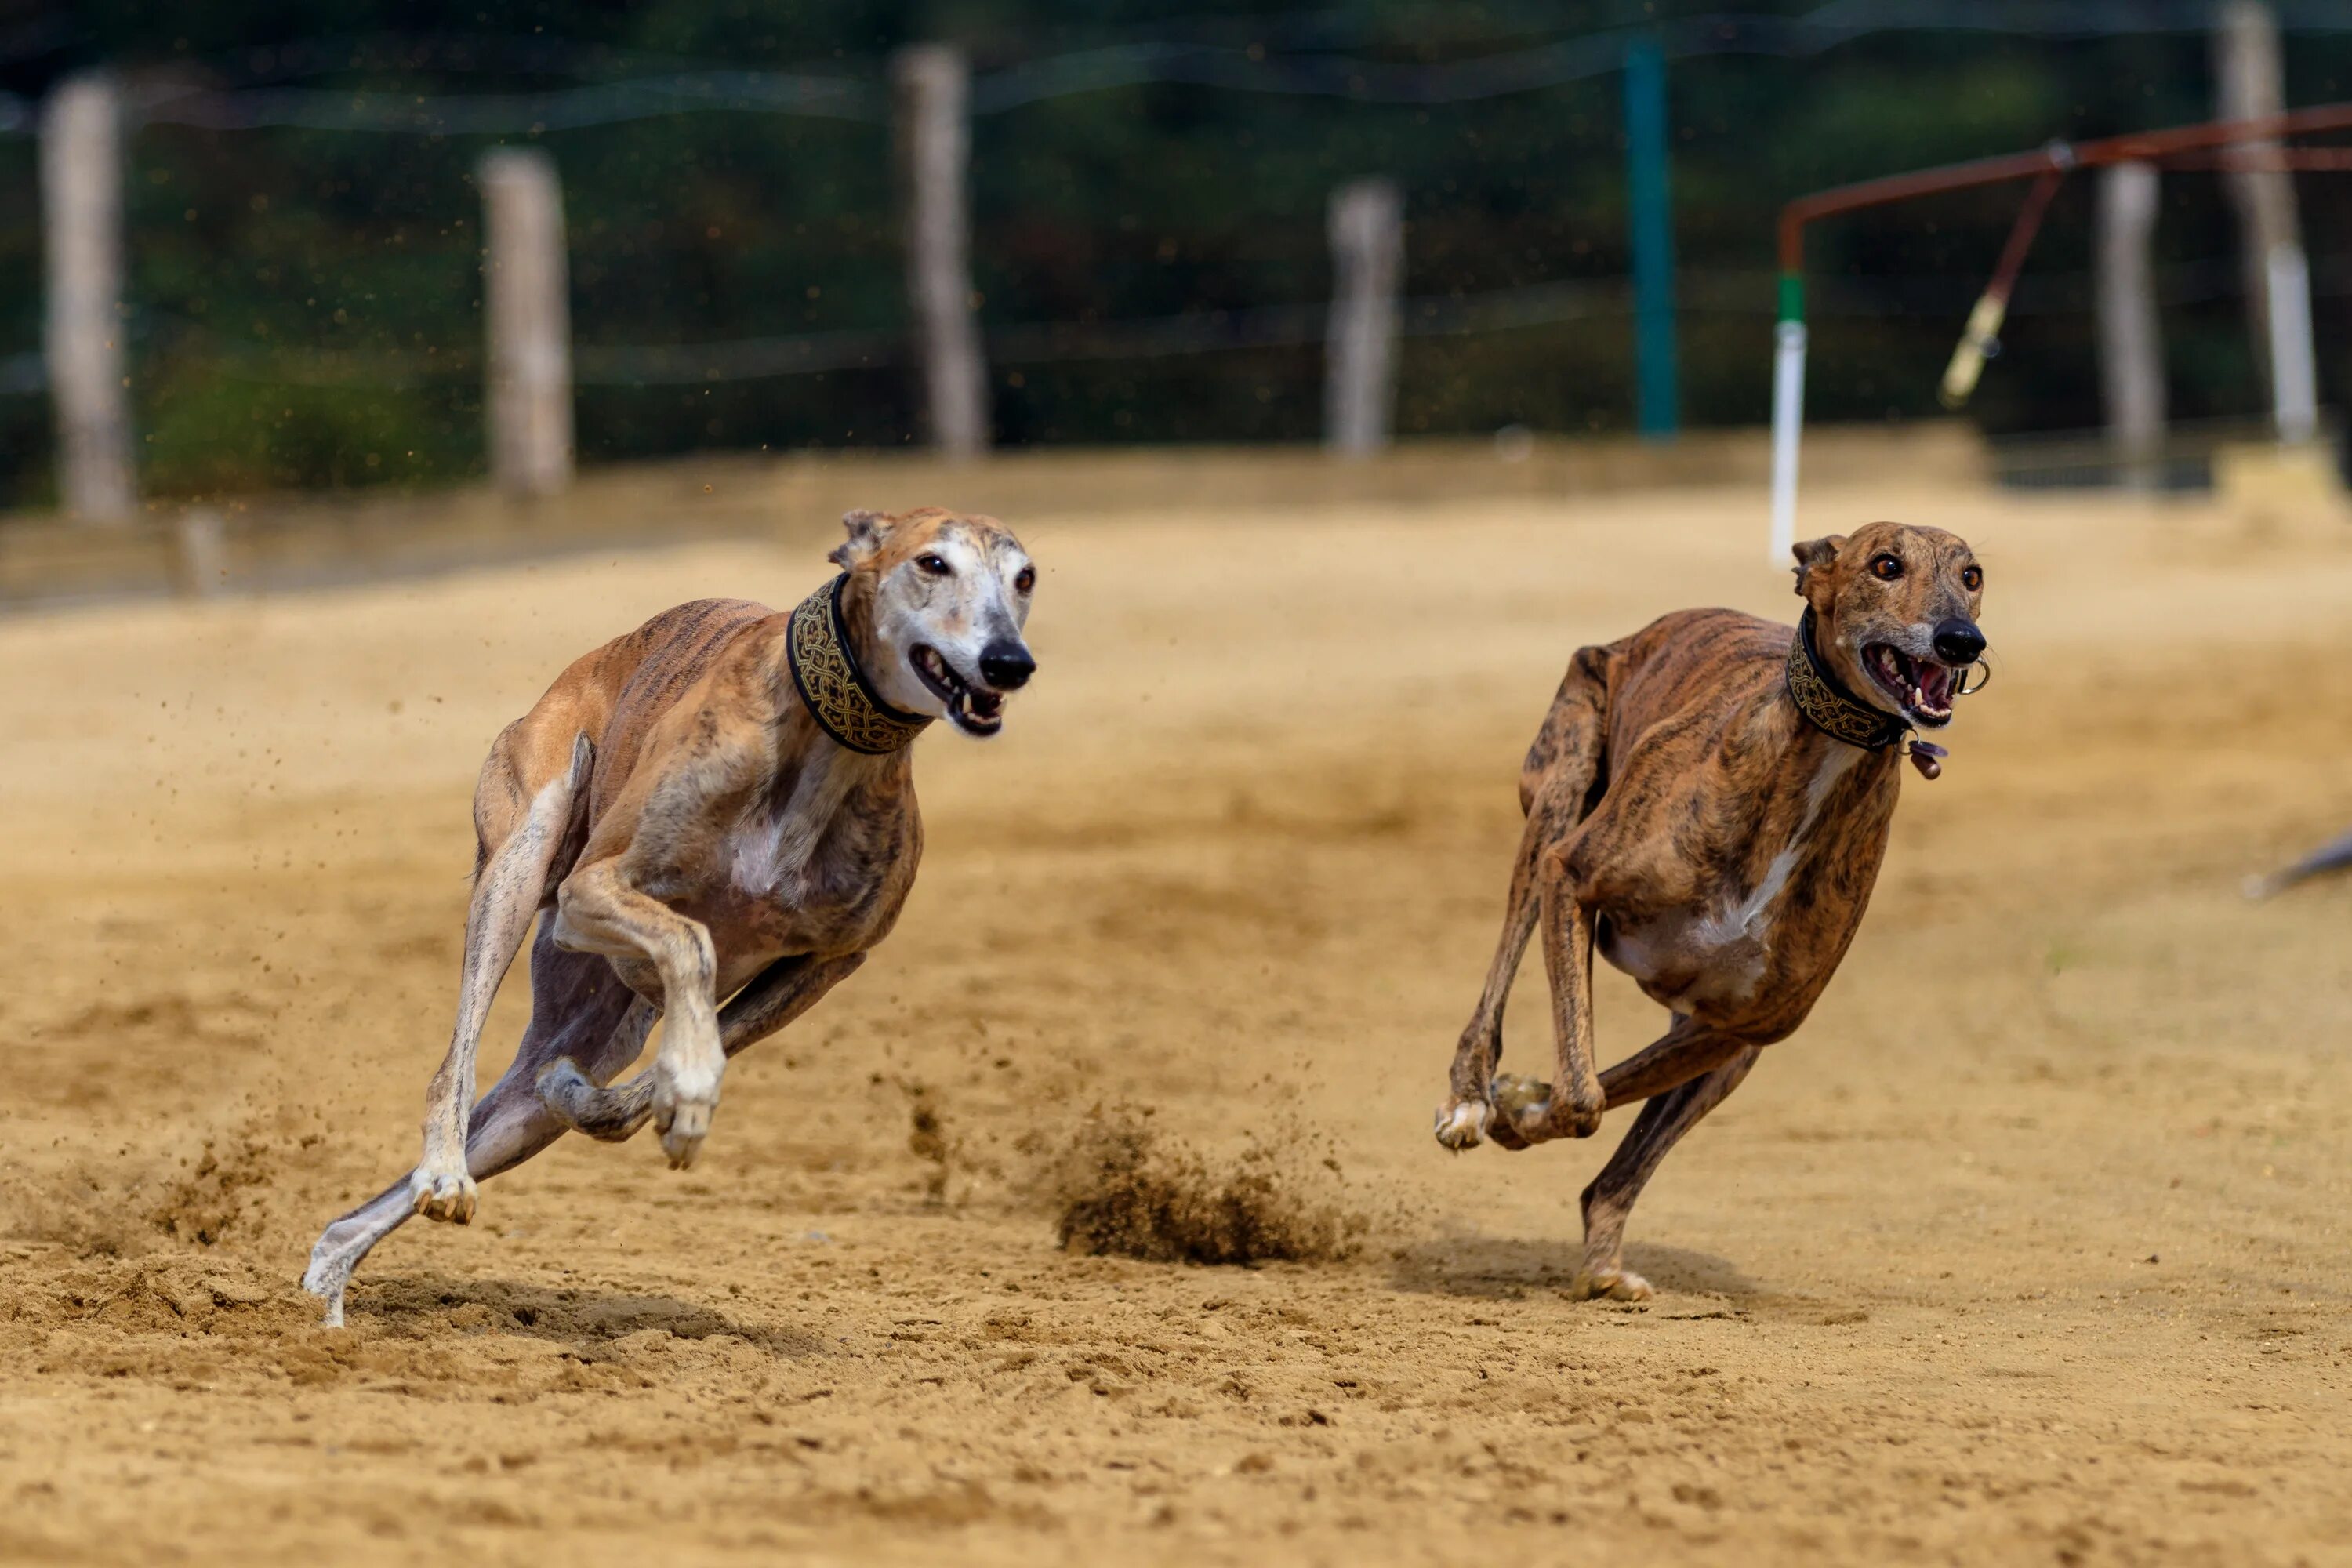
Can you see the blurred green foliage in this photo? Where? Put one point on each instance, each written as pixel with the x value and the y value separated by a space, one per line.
pixel 305 305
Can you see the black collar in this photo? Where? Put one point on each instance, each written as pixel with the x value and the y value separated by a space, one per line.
pixel 840 697
pixel 1826 703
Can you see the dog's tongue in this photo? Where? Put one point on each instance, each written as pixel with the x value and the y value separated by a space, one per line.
pixel 1936 683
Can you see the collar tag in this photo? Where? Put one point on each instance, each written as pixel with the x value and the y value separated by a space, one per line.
pixel 839 696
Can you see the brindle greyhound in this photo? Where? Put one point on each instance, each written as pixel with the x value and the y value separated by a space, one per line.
pixel 1707 803
pixel 719 803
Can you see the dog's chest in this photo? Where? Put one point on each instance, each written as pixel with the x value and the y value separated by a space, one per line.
pixel 786 848
pixel 1717 949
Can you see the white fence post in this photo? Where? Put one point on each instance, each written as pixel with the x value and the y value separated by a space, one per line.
pixel 1788 429
pixel 934 135
pixel 81 213
pixel 527 311
pixel 2131 341
pixel 1367 226
pixel 2277 277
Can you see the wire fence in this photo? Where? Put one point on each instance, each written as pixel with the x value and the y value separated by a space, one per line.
pixel 1352 58
pixel 1244 68
pixel 1300 325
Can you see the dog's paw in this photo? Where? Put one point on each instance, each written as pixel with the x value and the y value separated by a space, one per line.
pixel 447 1196
pixel 1522 1111
pixel 1461 1123
pixel 683 1103
pixel 1526 1111
pixel 1611 1284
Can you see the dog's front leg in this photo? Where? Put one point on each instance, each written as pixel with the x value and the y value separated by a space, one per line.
pixel 782 993
pixel 1527 1111
pixel 598 911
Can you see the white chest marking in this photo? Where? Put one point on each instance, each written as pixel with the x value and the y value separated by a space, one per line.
pixel 771 848
pixel 1744 917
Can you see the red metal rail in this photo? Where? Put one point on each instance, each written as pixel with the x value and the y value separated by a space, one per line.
pixel 2144 146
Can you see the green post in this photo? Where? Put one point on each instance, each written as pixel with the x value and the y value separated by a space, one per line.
pixel 1657 397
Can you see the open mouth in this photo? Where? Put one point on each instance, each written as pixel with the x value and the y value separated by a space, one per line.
pixel 1923 687
pixel 974 710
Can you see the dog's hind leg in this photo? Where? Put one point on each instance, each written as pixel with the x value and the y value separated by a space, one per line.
pixel 1556 784
pixel 580 1012
pixel 1610 1199
pixel 522 814
pixel 1673 1059
pixel 778 995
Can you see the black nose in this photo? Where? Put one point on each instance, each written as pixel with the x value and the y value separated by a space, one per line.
pixel 1006 665
pixel 1958 642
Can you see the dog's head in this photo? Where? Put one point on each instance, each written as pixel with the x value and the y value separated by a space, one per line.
pixel 1895 611
pixel 946 595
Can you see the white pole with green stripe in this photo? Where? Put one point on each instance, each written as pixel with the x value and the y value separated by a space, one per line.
pixel 1787 413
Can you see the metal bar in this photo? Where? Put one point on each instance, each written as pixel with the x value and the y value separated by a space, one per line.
pixel 2147 146
pixel 2142 145
pixel 1980 339
pixel 2281 159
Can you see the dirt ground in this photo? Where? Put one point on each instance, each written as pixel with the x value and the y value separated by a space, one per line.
pixel 2033 1245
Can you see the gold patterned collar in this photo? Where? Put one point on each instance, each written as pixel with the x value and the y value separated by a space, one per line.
pixel 1823 699
pixel 840 698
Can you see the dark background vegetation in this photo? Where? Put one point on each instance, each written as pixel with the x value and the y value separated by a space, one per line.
pixel 305 305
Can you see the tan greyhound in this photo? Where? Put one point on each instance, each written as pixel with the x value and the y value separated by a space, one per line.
pixel 719 804
pixel 1707 803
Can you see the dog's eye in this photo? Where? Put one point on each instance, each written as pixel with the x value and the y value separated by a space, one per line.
pixel 1972 578
pixel 936 566
pixel 1885 568
pixel 1027 580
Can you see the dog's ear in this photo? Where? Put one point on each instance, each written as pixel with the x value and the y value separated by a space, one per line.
pixel 1814 557
pixel 866 532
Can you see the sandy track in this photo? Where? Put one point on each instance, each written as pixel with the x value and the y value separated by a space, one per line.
pixel 2032 1246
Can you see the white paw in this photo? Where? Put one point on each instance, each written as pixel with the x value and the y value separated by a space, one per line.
pixel 684 1100
pixel 325 1278
pixel 443 1194
pixel 1461 1123
pixel 1616 1284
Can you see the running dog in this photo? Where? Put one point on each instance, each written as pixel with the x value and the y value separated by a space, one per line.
pixel 720 804
pixel 1707 803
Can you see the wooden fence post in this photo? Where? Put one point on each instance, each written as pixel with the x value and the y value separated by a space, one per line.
pixel 934 137
pixel 527 312
pixel 2131 341
pixel 2277 277
pixel 199 553
pixel 1367 227
pixel 81 213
